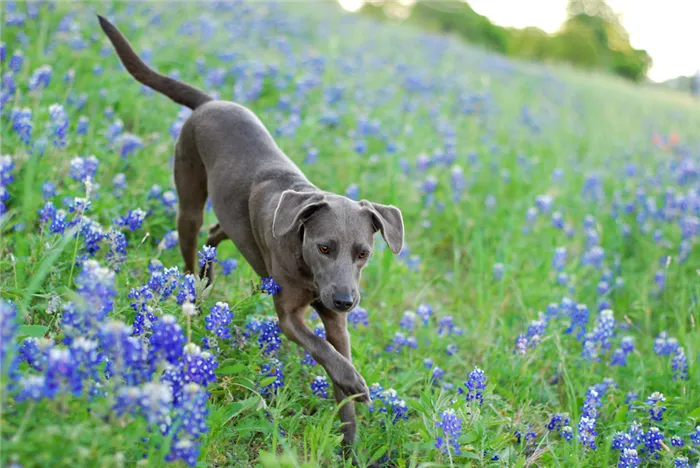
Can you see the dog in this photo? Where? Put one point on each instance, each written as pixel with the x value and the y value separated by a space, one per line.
pixel 313 243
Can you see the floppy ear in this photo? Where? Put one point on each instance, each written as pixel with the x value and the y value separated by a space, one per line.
pixel 388 220
pixel 293 208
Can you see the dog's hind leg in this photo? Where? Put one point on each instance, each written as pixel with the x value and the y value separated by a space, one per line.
pixel 191 185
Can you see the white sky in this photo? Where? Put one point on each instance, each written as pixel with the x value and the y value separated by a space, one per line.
pixel 669 30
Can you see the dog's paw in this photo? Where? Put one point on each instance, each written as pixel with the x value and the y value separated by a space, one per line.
pixel 351 383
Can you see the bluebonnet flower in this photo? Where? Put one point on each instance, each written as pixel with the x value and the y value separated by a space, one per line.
pixel 269 286
pixel 16 61
pixel 579 320
pixel 207 255
pixel 558 423
pixel 653 439
pixel 32 387
pixel 133 219
pixel 184 449
pixel 656 410
pixel 82 168
pixel 128 144
pixel 398 343
pixel 665 345
pixel 695 436
pixel 8 328
pixel 272 368
pixel 95 285
pixel 168 339
pixel 228 265
pixel 498 270
pixel 48 190
pixel 629 459
pixel 681 462
pixel 589 414
pixel 677 441
pixel 424 311
pixel 219 320
pixel 22 124
pixel 268 331
pixel 187 291
pixel 680 365
pixel 457 181
pixel 436 375
pixel 450 425
pixel 408 320
pixel 119 183
pixel 82 127
pixel 117 248
pixel 319 386
pixel 169 241
pixel 358 316
pixel 445 325
pixel 559 260
pixel 59 124
pixel 392 405
pixel 475 386
pixel 41 77
pixel 352 192
pixel 199 365
pixel 451 349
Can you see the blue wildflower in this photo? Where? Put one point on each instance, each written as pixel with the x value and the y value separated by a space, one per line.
pixel 358 316
pixel 629 459
pixel 133 219
pixel 187 291
pixel 199 365
pixel 450 426
pixel 228 265
pixel 475 386
pixel 319 386
pixel 219 319
pixel 169 241
pixel 272 368
pixel 656 409
pixel 270 287
pixel 207 256
pixel 59 124
pixel 168 339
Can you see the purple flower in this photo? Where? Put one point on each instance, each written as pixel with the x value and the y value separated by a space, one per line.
pixel 358 316
pixel 59 124
pixel 475 386
pixel 207 256
pixel 128 144
pixel 424 311
pixel 133 219
pixel 272 369
pixel 228 265
pixel 629 459
pixel 41 77
pixel 656 409
pixel 8 328
pixel 450 426
pixel 168 339
pixel 219 319
pixel 269 286
pixel 319 386
pixel 169 241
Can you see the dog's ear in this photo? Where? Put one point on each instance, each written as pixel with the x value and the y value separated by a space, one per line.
pixel 293 208
pixel 388 220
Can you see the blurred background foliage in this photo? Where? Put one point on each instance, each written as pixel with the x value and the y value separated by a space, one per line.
pixel 591 38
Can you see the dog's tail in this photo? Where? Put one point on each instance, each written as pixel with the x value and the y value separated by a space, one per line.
pixel 177 91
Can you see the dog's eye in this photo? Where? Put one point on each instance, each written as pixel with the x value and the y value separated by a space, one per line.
pixel 323 249
pixel 364 254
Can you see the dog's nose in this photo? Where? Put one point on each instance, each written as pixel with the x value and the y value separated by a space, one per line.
pixel 342 301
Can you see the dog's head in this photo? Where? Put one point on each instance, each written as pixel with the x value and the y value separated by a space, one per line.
pixel 336 236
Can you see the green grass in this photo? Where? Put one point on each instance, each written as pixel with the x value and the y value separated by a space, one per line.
pixel 590 124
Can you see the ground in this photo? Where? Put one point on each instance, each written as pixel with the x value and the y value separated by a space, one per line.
pixel 548 288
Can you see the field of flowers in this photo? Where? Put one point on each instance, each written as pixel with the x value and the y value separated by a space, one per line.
pixel 544 311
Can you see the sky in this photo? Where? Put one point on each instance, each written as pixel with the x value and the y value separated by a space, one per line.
pixel 669 31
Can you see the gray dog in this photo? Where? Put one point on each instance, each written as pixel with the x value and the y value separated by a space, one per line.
pixel 313 243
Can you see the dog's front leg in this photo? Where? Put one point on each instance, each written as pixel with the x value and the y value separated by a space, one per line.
pixel 339 368
pixel 336 325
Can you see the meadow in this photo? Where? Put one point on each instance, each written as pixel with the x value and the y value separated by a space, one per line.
pixel 544 310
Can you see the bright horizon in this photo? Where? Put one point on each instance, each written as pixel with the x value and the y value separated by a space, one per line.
pixel 672 38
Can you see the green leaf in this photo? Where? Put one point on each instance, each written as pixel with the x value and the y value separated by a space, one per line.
pixel 469 437
pixel 472 455
pixel 232 369
pixel 379 453
pixel 621 414
pixel 35 331
pixel 267 381
pixel 695 414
